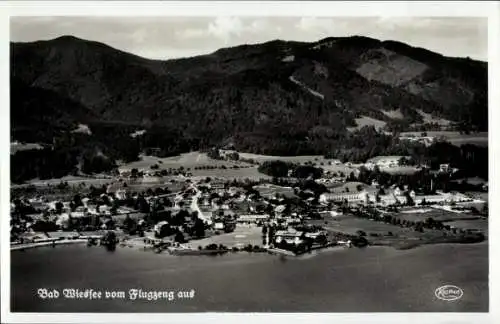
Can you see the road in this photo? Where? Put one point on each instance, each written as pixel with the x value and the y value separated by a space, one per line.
pixel 194 205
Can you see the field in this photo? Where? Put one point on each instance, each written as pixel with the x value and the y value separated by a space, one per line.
pixel 473 224
pixel 395 114
pixel 436 214
pixel 15 147
pixel 271 189
pixel 456 138
pixel 338 168
pixel 240 237
pixel 367 121
pixel 293 159
pixel 379 233
pixel 71 180
pixel 478 195
pixel 141 185
pixel 187 160
pixel 406 170
pixel 352 187
pixel 243 173
pixel 318 160
pixel 190 161
pixel 350 225
pixel 428 118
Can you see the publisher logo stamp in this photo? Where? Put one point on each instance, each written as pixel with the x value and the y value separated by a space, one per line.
pixel 449 293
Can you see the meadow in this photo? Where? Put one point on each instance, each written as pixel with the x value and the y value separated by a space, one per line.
pixel 480 138
pixel 436 214
pixel 242 236
pixel 351 225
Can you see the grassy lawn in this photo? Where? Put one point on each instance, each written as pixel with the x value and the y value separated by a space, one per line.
pixel 243 173
pixel 16 147
pixel 405 170
pixel 193 160
pixel 266 190
pixel 351 186
pixel 187 160
pixel 72 180
pixel 351 224
pixel 436 214
pixel 367 121
pixel 337 168
pixel 401 238
pixel 475 224
pixel 456 138
pixel 240 237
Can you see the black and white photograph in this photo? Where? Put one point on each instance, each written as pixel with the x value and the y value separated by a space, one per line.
pixel 247 163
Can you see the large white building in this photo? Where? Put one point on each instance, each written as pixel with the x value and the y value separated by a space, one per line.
pixel 289 236
pixel 252 218
pixel 351 197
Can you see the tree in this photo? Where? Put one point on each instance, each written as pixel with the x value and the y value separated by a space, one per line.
pixel 409 199
pixel 199 228
pixel 233 156
pixel 276 168
pixel 114 208
pixel 361 233
pixel 359 187
pixel 303 172
pixel 164 231
pixel 142 205
pixel 77 200
pixel 179 237
pixel 485 210
pixel 59 207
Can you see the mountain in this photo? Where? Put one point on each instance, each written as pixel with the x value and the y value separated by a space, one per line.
pixel 278 97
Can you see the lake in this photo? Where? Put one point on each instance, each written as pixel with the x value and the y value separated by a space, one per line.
pixel 375 279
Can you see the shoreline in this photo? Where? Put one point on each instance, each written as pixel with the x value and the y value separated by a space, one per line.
pixel 139 246
pixel 42 244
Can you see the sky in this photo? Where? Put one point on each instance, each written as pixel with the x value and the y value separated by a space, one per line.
pixel 174 37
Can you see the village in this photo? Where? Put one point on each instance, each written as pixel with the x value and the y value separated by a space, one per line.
pixel 193 214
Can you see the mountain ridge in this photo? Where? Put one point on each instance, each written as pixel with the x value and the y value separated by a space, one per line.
pixel 245 91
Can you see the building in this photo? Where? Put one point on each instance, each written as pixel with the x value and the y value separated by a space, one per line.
pixel 121 194
pixel 330 213
pixel 289 237
pixel 445 168
pixel 350 197
pixel 426 140
pixel 159 226
pixel 217 185
pixel 451 197
pixel 290 221
pixel 384 161
pixel 252 218
pixel 219 226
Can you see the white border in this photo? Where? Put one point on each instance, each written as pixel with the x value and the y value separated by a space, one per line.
pixel 488 9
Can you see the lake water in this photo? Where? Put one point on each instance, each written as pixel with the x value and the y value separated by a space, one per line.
pixel 374 279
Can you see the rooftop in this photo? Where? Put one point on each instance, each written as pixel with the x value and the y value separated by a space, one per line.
pixel 386 157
